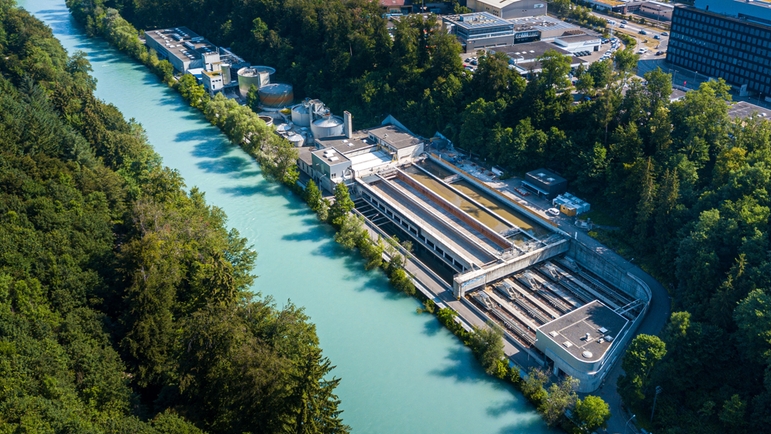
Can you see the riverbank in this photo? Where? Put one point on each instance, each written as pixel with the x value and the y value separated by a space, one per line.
pixel 363 326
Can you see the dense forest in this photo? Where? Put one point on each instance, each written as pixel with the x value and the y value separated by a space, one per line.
pixel 686 186
pixel 125 302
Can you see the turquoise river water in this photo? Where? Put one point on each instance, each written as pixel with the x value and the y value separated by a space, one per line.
pixel 401 372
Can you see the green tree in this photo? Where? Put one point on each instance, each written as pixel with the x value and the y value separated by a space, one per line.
pixel 533 386
pixel 342 205
pixel 643 353
pixel 560 397
pixel 313 196
pixel 591 413
pixel 487 344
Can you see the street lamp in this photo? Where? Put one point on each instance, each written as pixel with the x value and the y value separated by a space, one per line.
pixel 627 423
pixel 653 410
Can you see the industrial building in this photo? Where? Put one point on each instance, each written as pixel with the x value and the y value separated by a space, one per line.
pixel 546 291
pixel 509 8
pixel 726 39
pixel 217 68
pixel 340 154
pixel 579 341
pixel 544 182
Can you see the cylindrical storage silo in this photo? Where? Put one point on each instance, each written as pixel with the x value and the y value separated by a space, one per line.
pixel 301 115
pixel 276 95
pixel 295 139
pixel 264 73
pixel 226 74
pixel 247 77
pixel 330 126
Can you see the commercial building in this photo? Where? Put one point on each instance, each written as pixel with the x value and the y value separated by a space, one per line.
pixel 651 9
pixel 725 39
pixel 576 43
pixel 479 30
pixel 509 8
pixel 524 57
pixel 541 28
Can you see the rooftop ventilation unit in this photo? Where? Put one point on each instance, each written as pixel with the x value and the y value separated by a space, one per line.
pixel 553 333
pixel 567 344
pixel 602 330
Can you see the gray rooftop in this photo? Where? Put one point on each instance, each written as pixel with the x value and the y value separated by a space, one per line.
pixel 743 109
pixel 546 176
pixel 179 40
pixel 476 20
pixel 358 140
pixel 569 330
pixel 578 38
pixel 529 50
pixel 394 136
pixel 542 22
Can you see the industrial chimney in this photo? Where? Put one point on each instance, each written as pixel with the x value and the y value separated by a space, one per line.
pixel 347 124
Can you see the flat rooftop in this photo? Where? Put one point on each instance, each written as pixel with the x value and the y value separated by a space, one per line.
pixel 542 22
pixel 545 176
pixel 578 38
pixel 596 319
pixel 182 42
pixel 530 50
pixel 331 156
pixel 743 109
pixel 498 3
pixel 369 160
pixel 477 20
pixel 358 140
pixel 394 136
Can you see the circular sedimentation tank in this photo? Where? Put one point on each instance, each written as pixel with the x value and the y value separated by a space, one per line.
pixel 328 126
pixel 267 119
pixel 276 95
pixel 257 76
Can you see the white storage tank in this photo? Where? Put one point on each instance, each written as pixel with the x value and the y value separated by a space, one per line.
pixel 328 126
pixel 301 114
pixel 296 139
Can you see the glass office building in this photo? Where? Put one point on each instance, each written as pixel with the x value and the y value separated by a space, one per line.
pixel 736 48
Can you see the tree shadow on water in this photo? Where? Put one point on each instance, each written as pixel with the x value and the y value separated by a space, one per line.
pixel 432 326
pixel 223 165
pixel 462 367
pixel 261 188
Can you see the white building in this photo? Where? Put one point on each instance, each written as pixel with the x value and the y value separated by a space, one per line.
pixel 509 8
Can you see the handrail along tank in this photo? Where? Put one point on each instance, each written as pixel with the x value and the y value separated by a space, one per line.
pixel 327 126
pixel 257 76
pixel 276 95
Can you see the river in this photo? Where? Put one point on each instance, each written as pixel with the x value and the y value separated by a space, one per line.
pixel 401 372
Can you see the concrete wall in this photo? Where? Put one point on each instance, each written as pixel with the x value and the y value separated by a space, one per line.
pixel 613 274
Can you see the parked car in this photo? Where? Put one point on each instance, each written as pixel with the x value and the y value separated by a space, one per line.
pixel 623 22
pixel 642 32
pixel 664 34
pixel 622 26
pixel 659 53
pixel 657 37
pixel 553 212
